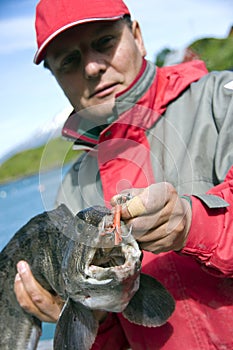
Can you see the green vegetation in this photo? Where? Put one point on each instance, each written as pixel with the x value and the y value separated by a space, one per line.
pixel 55 153
pixel 160 58
pixel 217 53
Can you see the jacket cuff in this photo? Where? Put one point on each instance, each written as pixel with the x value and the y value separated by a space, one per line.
pixel 206 227
pixel 198 241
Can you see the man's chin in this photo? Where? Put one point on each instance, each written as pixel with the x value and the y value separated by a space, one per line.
pixel 98 113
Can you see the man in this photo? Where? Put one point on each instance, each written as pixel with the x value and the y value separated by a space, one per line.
pixel 163 135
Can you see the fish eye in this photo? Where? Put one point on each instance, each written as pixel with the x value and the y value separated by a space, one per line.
pixel 80 227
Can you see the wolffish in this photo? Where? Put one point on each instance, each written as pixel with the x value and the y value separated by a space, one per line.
pixel 77 258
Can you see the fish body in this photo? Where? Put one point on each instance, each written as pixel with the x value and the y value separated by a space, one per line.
pixel 77 258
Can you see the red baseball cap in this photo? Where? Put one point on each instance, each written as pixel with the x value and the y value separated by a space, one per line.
pixel 55 16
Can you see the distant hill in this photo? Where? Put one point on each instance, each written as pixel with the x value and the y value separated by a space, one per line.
pixel 47 131
pixel 217 53
pixel 55 153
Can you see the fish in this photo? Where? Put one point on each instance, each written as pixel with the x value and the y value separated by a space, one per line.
pixel 77 258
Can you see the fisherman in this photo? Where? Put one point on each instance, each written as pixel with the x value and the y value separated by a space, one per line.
pixel 162 135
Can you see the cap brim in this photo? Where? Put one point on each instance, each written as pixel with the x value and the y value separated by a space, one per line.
pixel 40 54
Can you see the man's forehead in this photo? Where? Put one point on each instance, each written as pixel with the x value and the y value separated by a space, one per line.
pixel 93 30
pixel 96 26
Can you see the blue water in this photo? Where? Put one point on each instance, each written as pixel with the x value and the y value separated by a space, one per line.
pixel 21 200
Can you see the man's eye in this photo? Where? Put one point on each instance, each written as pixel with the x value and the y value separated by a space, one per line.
pixel 70 61
pixel 105 42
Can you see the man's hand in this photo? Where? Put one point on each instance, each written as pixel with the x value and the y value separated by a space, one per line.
pixel 160 219
pixel 33 298
pixel 36 300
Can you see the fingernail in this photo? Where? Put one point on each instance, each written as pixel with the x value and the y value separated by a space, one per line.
pixel 17 277
pixel 21 267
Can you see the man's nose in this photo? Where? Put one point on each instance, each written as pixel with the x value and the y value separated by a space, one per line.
pixel 94 65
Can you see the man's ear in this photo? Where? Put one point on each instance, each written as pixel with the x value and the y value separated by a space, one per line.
pixel 136 30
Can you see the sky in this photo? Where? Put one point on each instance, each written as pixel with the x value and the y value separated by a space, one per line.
pixel 29 95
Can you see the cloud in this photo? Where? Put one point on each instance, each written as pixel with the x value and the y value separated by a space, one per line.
pixel 17 34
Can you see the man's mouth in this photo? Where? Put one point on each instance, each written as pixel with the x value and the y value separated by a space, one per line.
pixel 104 90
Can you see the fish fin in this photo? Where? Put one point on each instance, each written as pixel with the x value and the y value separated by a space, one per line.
pixel 76 328
pixel 151 305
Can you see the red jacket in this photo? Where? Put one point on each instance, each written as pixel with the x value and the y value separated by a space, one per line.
pixel 200 276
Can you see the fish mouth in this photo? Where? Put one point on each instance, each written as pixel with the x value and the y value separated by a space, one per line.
pixel 110 274
pixel 106 276
pixel 113 264
pixel 107 258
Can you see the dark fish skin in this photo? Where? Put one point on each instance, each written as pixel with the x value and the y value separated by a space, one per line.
pixel 60 263
pixel 41 243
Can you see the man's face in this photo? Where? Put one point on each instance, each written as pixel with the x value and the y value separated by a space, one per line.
pixel 95 61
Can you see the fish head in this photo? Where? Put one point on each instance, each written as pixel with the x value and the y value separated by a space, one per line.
pixel 96 272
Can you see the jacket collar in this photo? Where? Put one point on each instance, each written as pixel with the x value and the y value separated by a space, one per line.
pixel 86 133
